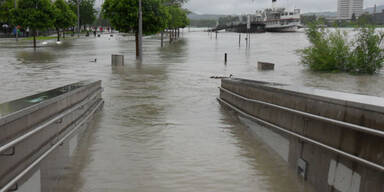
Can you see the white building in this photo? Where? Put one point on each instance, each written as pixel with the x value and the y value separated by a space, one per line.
pixel 346 8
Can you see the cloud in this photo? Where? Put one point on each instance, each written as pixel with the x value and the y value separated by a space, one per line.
pixel 249 6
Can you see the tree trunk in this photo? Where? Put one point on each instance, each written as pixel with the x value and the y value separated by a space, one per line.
pixel 137 43
pixel 162 38
pixel 178 33
pixel 58 34
pixel 34 39
pixel 63 33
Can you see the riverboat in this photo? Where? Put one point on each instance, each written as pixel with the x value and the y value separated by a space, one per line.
pixel 281 20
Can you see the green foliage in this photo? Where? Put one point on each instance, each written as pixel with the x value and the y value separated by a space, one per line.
pixel 365 19
pixel 87 11
pixel 64 16
pixel 5 13
pixel 178 17
pixel 308 19
pixel 331 51
pixel 367 56
pixel 123 15
pixel 328 52
pixel 34 14
pixel 174 2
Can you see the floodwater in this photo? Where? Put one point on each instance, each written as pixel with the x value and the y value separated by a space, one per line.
pixel 161 128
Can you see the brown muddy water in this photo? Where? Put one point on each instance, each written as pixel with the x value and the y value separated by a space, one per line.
pixel 161 128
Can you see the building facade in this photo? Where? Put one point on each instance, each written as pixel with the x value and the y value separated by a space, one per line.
pixel 347 8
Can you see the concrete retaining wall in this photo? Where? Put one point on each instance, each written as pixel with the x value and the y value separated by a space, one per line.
pixel 326 170
pixel 57 112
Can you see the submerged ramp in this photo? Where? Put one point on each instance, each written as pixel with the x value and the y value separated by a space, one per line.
pixel 39 133
pixel 334 140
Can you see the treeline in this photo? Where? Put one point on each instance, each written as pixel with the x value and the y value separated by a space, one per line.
pixel 229 19
pixel 158 16
pixel 364 19
pixel 203 23
pixel 32 16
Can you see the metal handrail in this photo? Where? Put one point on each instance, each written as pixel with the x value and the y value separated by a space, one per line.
pixel 340 152
pixel 312 116
pixel 47 123
pixel 43 156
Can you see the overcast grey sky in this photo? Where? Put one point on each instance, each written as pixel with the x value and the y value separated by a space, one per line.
pixel 247 6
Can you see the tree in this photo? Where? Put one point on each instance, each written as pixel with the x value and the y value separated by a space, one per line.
pixel 87 11
pixel 353 19
pixel 123 15
pixel 5 14
pixel 177 19
pixel 34 14
pixel 308 19
pixel 365 19
pixel 175 2
pixel 64 17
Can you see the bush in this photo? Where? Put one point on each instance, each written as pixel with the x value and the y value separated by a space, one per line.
pixel 367 56
pixel 330 51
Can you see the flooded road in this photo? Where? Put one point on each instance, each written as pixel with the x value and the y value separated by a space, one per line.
pixel 161 128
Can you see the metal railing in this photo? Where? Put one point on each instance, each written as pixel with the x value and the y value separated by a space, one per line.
pixel 304 138
pixel 312 116
pixel 77 125
pixel 47 123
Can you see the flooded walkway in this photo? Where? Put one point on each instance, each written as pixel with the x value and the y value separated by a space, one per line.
pixel 161 128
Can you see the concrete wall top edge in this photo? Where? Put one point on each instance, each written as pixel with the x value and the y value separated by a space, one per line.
pixel 16 109
pixel 366 102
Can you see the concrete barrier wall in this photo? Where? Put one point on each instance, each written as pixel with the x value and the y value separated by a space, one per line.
pixel 325 170
pixel 66 111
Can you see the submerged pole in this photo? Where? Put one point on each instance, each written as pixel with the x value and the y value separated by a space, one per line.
pixel 17 34
pixel 78 18
pixel 239 39
pixel 162 38
pixel 140 31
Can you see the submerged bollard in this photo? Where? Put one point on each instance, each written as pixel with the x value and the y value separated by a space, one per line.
pixel 162 38
pixel 265 66
pixel 239 39
pixel 117 59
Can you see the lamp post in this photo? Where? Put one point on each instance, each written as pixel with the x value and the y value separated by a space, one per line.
pixel 78 18
pixel 17 34
pixel 140 31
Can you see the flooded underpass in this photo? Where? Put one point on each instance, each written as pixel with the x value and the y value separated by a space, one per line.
pixel 161 128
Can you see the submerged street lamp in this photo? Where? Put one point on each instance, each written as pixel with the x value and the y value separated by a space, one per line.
pixel 16 32
pixel 78 18
pixel 140 31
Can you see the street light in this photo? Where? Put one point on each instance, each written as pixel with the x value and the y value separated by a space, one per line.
pixel 17 34
pixel 78 18
pixel 140 31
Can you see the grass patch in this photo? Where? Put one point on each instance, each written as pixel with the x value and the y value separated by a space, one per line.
pixel 39 38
